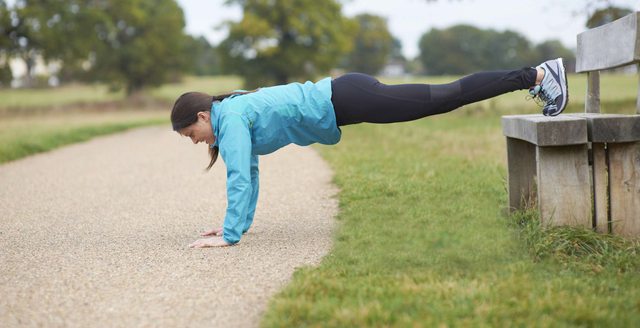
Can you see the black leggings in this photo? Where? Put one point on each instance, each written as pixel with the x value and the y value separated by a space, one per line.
pixel 361 98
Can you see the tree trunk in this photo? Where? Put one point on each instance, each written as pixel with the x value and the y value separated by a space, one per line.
pixel 27 80
pixel 133 88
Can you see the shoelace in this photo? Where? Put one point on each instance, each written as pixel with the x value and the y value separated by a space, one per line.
pixel 550 91
pixel 533 95
pixel 543 97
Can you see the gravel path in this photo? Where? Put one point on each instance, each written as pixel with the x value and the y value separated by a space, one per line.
pixel 96 234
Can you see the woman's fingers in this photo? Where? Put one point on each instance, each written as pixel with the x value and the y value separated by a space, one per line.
pixel 212 232
pixel 208 233
pixel 200 243
pixel 194 244
pixel 209 242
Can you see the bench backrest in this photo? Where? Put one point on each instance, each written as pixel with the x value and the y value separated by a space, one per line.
pixel 608 46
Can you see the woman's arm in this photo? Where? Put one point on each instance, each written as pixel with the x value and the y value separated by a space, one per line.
pixel 255 188
pixel 234 139
pixel 235 149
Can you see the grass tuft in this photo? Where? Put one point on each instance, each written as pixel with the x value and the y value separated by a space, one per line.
pixel 581 247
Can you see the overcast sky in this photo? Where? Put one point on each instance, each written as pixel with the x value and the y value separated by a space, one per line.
pixel 538 20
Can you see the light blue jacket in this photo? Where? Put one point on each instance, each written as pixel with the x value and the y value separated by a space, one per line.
pixel 259 123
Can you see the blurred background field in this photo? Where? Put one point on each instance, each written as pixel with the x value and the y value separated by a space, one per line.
pixel 615 88
pixel 33 121
pixel 64 95
pixel 618 94
pixel 20 101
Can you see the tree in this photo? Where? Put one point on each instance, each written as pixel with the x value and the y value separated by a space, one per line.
pixel 280 40
pixel 39 29
pixel 373 45
pixel 5 45
pixel 133 43
pixel 456 50
pixel 23 36
pixel 141 43
pixel 59 31
pixel 396 50
pixel 606 15
pixel 204 59
pixel 554 49
pixel 464 49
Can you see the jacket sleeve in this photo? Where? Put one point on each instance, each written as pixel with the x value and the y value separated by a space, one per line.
pixel 255 188
pixel 235 148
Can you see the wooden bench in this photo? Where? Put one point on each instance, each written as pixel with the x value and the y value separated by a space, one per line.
pixel 582 169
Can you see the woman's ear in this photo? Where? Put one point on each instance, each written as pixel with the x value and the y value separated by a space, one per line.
pixel 204 116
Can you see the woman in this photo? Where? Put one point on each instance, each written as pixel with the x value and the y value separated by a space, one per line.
pixel 243 125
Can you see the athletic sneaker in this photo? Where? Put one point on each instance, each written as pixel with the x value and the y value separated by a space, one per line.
pixel 553 90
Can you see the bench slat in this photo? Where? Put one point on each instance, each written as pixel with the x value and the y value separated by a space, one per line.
pixel 542 130
pixel 611 127
pixel 609 46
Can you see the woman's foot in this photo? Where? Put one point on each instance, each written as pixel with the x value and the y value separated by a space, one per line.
pixel 553 90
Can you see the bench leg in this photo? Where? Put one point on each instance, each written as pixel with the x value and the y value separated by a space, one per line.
pixel 521 159
pixel 564 189
pixel 624 179
pixel 600 188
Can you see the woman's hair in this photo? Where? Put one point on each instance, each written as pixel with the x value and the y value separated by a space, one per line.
pixel 188 105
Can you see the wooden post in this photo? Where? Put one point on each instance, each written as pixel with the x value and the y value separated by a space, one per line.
pixel 638 97
pixel 600 188
pixel 564 189
pixel 592 104
pixel 624 180
pixel 521 161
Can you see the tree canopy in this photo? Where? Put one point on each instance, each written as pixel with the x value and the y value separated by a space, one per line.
pixel 606 15
pixel 138 43
pixel 5 44
pixel 280 40
pixel 141 44
pixel 373 45
pixel 203 57
pixel 464 49
pixel 130 43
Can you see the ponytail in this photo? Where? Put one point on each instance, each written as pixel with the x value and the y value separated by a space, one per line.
pixel 213 154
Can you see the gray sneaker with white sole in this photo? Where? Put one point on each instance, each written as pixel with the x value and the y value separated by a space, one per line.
pixel 553 90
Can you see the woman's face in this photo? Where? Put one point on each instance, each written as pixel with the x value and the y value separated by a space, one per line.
pixel 200 131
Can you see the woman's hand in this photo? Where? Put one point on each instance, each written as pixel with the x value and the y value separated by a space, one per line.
pixel 212 232
pixel 209 242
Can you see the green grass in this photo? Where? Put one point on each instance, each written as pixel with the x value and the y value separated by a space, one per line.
pixel 21 100
pixel 23 136
pixel 577 246
pixel 423 240
pixel 47 97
